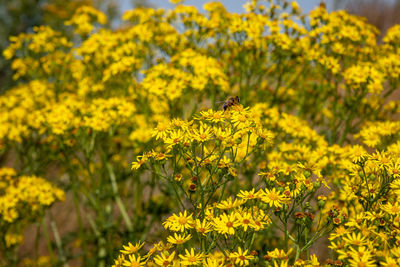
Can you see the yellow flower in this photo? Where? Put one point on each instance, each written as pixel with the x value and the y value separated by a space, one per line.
pixel 361 257
pixel 240 257
pixel 119 261
pixel 174 138
pixel 212 262
pixel 357 153
pixel 389 262
pixel 213 116
pixel 203 134
pixel 179 223
pixel 229 204
pixel 392 209
pixel 355 239
pixel 140 160
pixel 279 254
pixel 164 260
pixel 339 231
pixel 202 227
pixel 133 261
pixel 178 239
pixel 272 198
pixel 247 195
pixel 221 133
pixel 314 260
pixel 191 258
pixel 161 130
pixel 158 247
pixel 130 249
pixel 226 224
pixel 246 220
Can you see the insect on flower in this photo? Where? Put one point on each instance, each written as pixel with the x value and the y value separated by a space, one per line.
pixel 231 101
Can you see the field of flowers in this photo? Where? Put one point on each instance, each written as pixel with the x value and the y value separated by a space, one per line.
pixel 124 128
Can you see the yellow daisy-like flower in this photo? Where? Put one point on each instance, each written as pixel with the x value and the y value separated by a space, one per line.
pixel 133 261
pixel 217 116
pixel 268 175
pixel 389 262
pixel 361 257
pixel 204 133
pixel 226 224
pixel 140 160
pixel 241 119
pixel 212 262
pixel 130 249
pixel 273 198
pixel 282 264
pixel 178 239
pixel 279 254
pixel 175 138
pixel 164 260
pixel 161 130
pixel 160 246
pixel 314 260
pixel 339 231
pixel 246 220
pixel 179 223
pixel 119 261
pixel 355 239
pixel 357 153
pixel 221 133
pixel 247 195
pixel 191 258
pixel 392 209
pixel 202 227
pixel 229 204
pixel 240 257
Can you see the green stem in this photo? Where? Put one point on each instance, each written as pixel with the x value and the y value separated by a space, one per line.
pixel 102 252
pixel 298 251
pixel 48 241
pixel 120 204
pixel 286 235
pixel 58 242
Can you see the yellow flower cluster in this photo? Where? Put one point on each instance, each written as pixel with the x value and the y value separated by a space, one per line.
pixel 369 193
pixel 360 76
pixel 227 220
pixel 362 209
pixel 187 70
pixel 84 18
pixel 34 108
pixel 45 43
pixel 213 132
pixel 379 134
pixel 22 199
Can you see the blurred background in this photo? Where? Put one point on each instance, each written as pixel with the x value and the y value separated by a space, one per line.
pixel 21 15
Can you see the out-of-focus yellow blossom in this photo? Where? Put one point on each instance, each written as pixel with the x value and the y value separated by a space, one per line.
pixel 84 18
pixel 23 199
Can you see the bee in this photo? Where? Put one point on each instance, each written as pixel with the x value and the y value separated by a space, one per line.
pixel 231 101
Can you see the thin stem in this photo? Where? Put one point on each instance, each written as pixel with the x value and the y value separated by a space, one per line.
pixel 48 241
pixel 58 242
pixel 120 204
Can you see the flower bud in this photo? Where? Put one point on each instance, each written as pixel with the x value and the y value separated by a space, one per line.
pixel 321 203
pixel 267 258
pixel 192 188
